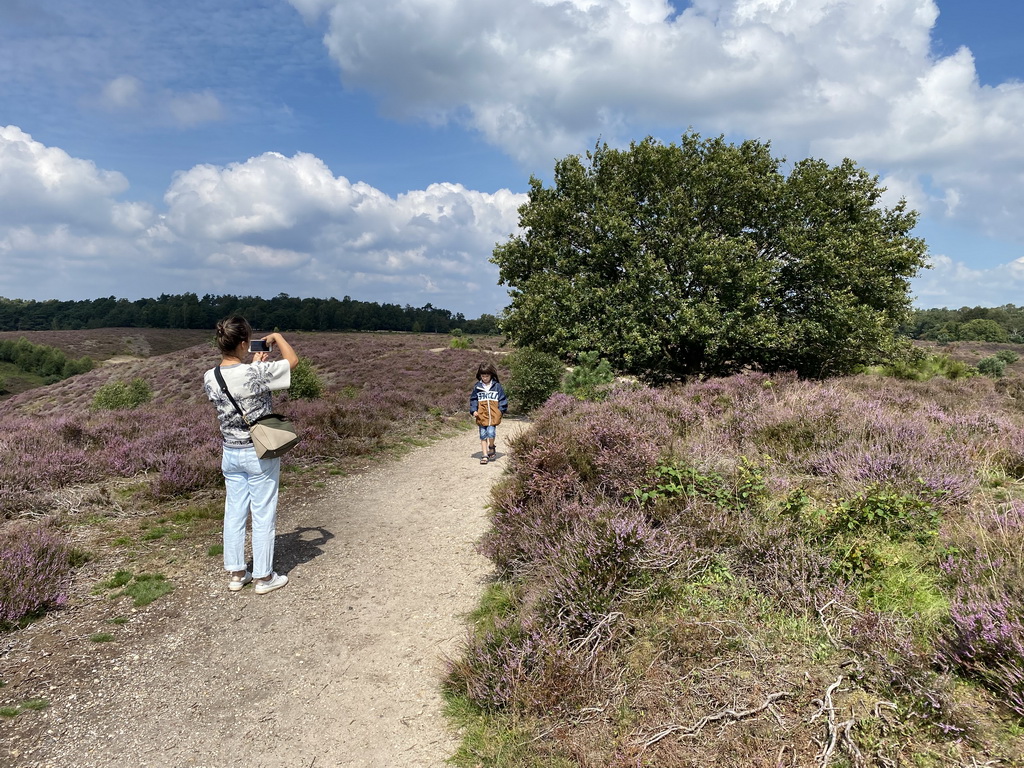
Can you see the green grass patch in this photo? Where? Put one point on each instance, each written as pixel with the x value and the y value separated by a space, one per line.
pixel 215 550
pixel 101 637
pixel 32 705
pixel 497 602
pixel 119 620
pixel 155 533
pixel 116 581
pixel 493 740
pixel 146 588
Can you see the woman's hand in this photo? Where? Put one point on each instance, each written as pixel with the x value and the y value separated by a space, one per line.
pixel 277 340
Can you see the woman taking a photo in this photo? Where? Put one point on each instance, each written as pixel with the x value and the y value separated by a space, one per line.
pixel 251 482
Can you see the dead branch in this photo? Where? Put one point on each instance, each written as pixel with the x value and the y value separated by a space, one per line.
pixel 730 714
pixel 836 730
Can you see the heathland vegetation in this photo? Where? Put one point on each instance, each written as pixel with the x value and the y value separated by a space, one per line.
pixel 748 567
pixel 806 548
pixel 756 570
pixel 140 436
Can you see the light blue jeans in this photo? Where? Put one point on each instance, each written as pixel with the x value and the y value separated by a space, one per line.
pixel 251 485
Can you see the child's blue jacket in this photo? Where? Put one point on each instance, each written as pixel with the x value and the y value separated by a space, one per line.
pixel 488 404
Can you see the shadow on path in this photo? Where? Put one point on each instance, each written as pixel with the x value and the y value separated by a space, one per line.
pixel 299 546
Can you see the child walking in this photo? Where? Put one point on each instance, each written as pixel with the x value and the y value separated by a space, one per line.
pixel 487 403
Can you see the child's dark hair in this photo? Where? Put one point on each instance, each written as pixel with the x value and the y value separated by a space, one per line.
pixel 487 368
pixel 232 331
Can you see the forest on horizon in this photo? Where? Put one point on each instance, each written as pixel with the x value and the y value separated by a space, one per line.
pixel 189 310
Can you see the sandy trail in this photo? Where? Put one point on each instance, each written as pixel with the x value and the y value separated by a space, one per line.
pixel 340 668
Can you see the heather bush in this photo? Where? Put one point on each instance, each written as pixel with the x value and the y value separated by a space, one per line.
pixel 56 438
pixel 533 377
pixel 1008 356
pixel 708 528
pixel 34 564
pixel 306 384
pixel 122 395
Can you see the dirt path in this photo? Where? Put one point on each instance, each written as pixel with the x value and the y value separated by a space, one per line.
pixel 340 668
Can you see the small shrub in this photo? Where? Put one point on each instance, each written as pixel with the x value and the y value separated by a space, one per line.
pixel 533 377
pixel 122 395
pixel 993 367
pixel 306 383
pixel 590 379
pixel 927 367
pixel 34 562
pixel 1008 356
pixel 460 342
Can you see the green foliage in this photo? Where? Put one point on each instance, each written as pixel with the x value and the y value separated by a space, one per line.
pixel 928 366
pixel 122 395
pixel 306 383
pixel 992 367
pixel 533 377
pixel 460 342
pixel 1008 356
pixel 677 481
pixel 982 330
pixel 703 258
pixel 591 379
pixel 47 362
pixel 948 324
pixel 896 514
pixel 191 311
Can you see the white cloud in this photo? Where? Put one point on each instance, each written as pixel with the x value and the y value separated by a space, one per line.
pixel 267 225
pixel 41 184
pixel 287 213
pixel 541 79
pixel 189 109
pixel 952 283
pixel 128 95
pixel 123 92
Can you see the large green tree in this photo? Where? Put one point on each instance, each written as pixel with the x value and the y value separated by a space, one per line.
pixel 704 258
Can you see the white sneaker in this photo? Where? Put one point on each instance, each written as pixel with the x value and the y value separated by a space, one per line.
pixel 237 582
pixel 276 581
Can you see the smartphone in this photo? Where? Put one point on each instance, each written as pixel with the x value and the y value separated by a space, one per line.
pixel 258 345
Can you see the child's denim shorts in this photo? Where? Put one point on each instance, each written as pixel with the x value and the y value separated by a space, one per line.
pixel 487 432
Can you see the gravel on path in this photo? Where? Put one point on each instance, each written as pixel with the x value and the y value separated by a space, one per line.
pixel 342 667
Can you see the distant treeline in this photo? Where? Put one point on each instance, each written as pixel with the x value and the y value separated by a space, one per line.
pixel 190 311
pixel 1000 324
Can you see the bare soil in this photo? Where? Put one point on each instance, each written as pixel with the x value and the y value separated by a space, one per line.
pixel 342 667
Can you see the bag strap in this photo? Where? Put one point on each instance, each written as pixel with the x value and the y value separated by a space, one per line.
pixel 226 391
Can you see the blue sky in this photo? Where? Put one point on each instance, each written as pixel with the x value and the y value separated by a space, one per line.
pixel 380 148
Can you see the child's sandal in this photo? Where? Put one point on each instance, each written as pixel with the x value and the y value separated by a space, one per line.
pixel 483 460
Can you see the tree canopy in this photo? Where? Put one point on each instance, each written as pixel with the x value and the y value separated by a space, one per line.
pixel 703 258
pixel 190 311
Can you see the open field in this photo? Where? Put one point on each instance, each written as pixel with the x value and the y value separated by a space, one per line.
pixel 752 571
pixel 104 343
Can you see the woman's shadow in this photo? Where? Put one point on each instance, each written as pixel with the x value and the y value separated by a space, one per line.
pixel 300 546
